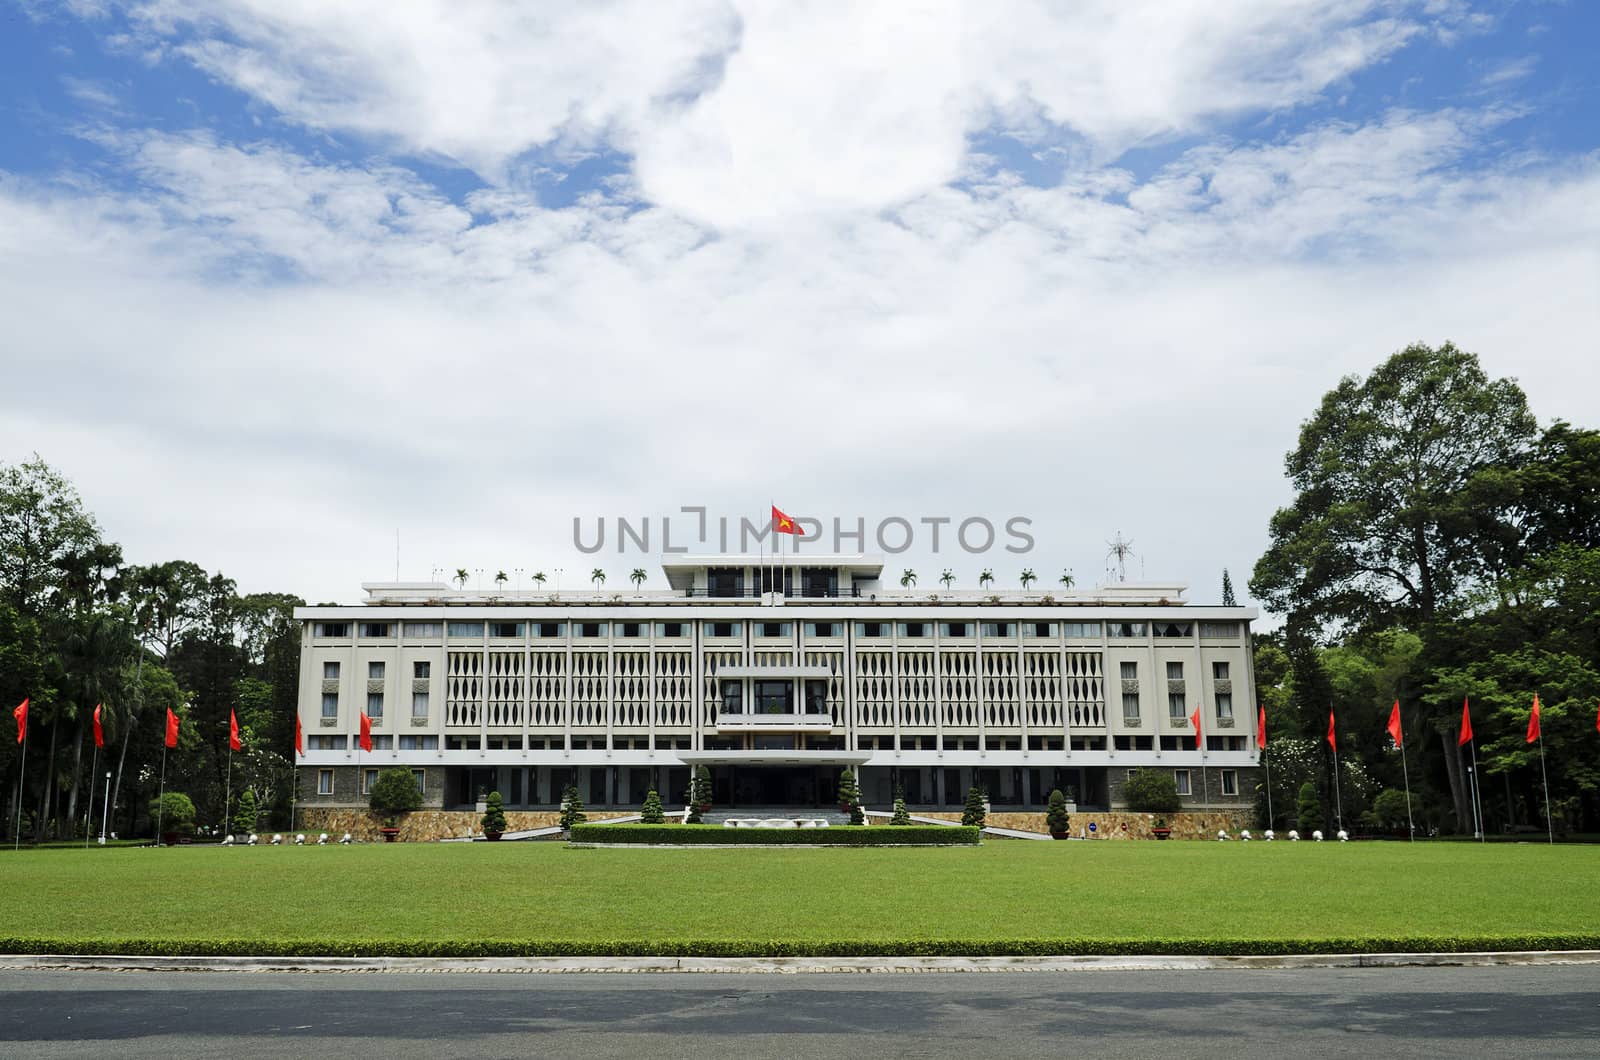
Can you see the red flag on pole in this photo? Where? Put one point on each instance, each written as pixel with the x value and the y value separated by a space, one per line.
pixel 1533 720
pixel 21 714
pixel 1261 727
pixel 233 733
pixel 783 524
pixel 99 733
pixel 298 748
pixel 1194 719
pixel 1333 741
pixel 1394 724
pixel 1466 723
pixel 366 732
pixel 172 728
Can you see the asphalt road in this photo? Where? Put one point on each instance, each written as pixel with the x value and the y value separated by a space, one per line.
pixel 1432 1012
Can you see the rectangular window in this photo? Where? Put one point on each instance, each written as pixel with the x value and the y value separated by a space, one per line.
pixel 464 629
pixel 1039 629
pixel 369 777
pixel 592 629
pixel 421 777
pixel 632 629
pixel 1219 630
pixel 325 743
pixel 330 704
pixel 1082 630
pixel 374 629
pixel 772 629
pixel 332 629
pixel 816 697
pixel 914 629
pixel 955 629
pixel 547 630
pixel 723 629
pixel 1182 778
pixel 374 671
pixel 505 630
pixel 1174 671
pixel 1130 671
pixel 1225 706
pixel 1219 671
pixel 1125 629
pixel 1172 629
pixel 998 629
pixel 422 669
pixel 375 706
pixel 1130 708
pixel 1230 782
pixel 872 629
pixel 423 630
pixel 419 705
pixel 732 697
pixel 1177 704
pixel 672 629
pixel 419 743
pixel 324 782
pixel 822 629
pixel 330 671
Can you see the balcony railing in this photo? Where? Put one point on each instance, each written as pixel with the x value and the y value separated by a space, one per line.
pixel 774 721
pixel 749 593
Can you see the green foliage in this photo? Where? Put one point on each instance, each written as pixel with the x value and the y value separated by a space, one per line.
pixel 494 814
pixel 699 794
pixel 900 817
pixel 172 812
pixel 571 808
pixel 394 793
pixel 849 789
pixel 1228 599
pixel 1309 813
pixel 245 816
pixel 1056 818
pixel 973 813
pixel 1151 791
pixel 1389 811
pixel 651 812
pixel 716 835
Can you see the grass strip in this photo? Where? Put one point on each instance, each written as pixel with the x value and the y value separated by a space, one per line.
pixel 716 835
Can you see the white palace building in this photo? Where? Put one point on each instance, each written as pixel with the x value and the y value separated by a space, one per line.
pixel 776 680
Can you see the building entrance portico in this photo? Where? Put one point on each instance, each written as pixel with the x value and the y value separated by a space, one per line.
pixel 786 778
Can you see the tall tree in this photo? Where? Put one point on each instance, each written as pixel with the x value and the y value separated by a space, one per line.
pixel 1399 485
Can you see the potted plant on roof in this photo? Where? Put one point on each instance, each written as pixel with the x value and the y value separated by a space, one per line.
pixel 494 818
pixel 394 794
pixel 1055 818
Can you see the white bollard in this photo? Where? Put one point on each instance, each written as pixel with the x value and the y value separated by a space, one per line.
pixel 1222 835
pixel 1294 837
pixel 276 839
pixel 1269 834
pixel 1244 836
pixel 1317 835
pixel 1344 837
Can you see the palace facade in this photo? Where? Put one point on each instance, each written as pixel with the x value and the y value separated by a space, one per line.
pixel 777 679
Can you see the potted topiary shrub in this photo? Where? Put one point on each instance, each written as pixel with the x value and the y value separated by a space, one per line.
pixel 975 812
pixel 571 809
pixel 173 816
pixel 1055 818
pixel 1159 829
pixel 651 812
pixel 699 798
pixel 494 817
pixel 393 795
pixel 849 790
pixel 901 816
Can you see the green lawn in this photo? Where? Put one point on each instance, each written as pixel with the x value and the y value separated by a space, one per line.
pixel 1003 897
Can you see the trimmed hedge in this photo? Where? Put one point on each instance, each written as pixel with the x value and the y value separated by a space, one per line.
pixel 1018 947
pixel 716 835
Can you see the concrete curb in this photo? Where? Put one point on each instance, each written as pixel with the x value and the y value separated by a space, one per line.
pixel 783 965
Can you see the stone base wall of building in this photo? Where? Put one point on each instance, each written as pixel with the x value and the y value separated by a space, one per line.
pixel 424 825
pixel 1184 825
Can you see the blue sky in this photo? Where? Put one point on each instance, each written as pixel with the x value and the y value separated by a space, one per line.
pixel 471 271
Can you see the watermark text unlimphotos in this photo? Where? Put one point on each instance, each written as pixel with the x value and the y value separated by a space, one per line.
pixel 693 531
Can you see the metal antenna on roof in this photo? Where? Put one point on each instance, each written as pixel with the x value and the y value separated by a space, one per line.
pixel 1121 551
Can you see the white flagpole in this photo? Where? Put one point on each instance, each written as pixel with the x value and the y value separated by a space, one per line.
pixel 1477 804
pixel 1550 827
pixel 161 799
pixel 227 796
pixel 22 768
pixel 1268 766
pixel 1338 798
pixel 105 809
pixel 1405 771
pixel 88 821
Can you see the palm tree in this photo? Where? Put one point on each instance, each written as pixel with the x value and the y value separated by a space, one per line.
pixel 908 580
pixel 1067 580
pixel 500 580
pixel 985 578
pixel 461 577
pixel 538 578
pixel 598 577
pixel 947 578
pixel 637 577
pixel 1028 577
